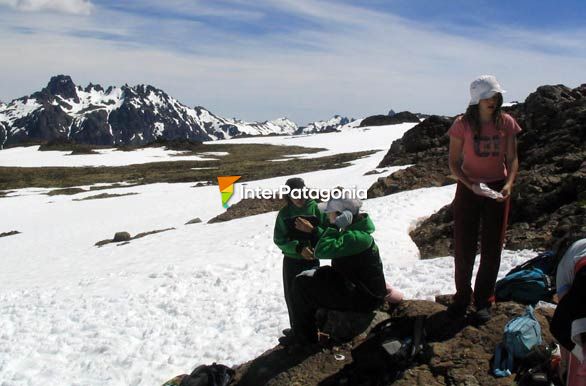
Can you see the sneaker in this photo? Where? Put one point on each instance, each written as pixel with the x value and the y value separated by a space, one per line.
pixel 457 310
pixel 287 340
pixel 291 340
pixel 482 315
pixel 294 340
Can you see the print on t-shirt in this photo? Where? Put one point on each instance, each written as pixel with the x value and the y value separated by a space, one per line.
pixel 487 146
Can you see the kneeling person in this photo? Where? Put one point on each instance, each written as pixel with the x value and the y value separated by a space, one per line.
pixel 297 229
pixel 355 280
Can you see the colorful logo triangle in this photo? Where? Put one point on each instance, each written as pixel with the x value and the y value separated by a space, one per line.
pixel 226 184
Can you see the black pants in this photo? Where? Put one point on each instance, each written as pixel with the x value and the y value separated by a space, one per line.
pixel 291 268
pixel 325 289
pixel 472 212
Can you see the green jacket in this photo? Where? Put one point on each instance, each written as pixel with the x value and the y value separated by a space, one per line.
pixel 356 257
pixel 355 239
pixel 290 240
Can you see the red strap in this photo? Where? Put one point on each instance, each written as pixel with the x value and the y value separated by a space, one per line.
pixel 580 264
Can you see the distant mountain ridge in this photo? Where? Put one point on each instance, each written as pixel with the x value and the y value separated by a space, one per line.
pixel 118 116
pixel 333 124
pixel 137 115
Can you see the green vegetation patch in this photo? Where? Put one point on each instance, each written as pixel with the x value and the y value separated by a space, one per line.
pixel 104 195
pixel 251 161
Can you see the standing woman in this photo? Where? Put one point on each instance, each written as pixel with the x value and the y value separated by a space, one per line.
pixel 483 156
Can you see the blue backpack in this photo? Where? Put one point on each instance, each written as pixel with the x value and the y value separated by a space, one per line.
pixel 530 282
pixel 520 335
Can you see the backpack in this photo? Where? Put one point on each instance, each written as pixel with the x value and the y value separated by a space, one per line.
pixel 529 282
pixel 536 369
pixel 389 349
pixel 520 335
pixel 392 347
pixel 544 261
pixel 527 286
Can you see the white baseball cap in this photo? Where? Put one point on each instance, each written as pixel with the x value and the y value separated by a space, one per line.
pixel 483 87
pixel 340 204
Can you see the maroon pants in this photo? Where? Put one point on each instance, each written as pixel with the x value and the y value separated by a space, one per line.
pixel 472 212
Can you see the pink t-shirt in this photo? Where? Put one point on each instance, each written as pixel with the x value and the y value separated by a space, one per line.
pixel 484 155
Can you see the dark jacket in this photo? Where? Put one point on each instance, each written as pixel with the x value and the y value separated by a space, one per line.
pixel 355 256
pixel 289 239
pixel 570 315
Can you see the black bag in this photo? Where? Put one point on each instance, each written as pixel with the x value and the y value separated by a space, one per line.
pixel 546 262
pixel 209 375
pixel 393 346
pixel 389 349
pixel 535 369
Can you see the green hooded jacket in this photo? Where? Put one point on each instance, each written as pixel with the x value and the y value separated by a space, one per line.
pixel 356 257
pixel 356 238
pixel 290 240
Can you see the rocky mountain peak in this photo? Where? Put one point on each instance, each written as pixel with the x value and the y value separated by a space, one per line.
pixel 95 87
pixel 63 86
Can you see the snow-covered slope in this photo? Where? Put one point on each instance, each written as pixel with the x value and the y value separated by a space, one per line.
pixel 118 116
pixel 139 314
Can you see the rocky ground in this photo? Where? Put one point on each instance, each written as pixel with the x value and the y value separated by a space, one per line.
pixel 460 352
pixel 249 207
pixel 380 120
pixel 549 196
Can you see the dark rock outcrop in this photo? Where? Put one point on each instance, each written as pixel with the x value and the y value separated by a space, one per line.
pixel 549 196
pixel 424 146
pixel 124 238
pixel 11 233
pixel 121 236
pixel 3 134
pixel 94 130
pixel 460 353
pixel 63 86
pixel 249 207
pixel 380 120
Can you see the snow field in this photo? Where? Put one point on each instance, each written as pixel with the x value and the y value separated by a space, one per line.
pixel 139 314
pixel 30 157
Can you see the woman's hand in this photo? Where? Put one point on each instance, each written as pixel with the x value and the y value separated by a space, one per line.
pixel 307 253
pixel 303 225
pixel 506 192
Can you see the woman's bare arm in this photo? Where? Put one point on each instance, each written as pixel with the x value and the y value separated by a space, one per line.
pixel 455 161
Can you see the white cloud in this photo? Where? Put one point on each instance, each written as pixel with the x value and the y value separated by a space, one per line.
pixel 77 7
pixel 357 63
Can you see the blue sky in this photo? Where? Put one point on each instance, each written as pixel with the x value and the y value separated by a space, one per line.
pixel 304 59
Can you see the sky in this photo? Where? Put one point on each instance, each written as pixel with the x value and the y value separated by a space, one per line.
pixel 302 59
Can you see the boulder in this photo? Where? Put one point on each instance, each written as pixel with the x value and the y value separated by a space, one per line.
pixel 249 207
pixel 196 220
pixel 121 236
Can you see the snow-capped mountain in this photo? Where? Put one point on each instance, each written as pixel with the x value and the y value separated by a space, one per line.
pixel 333 124
pixel 118 116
